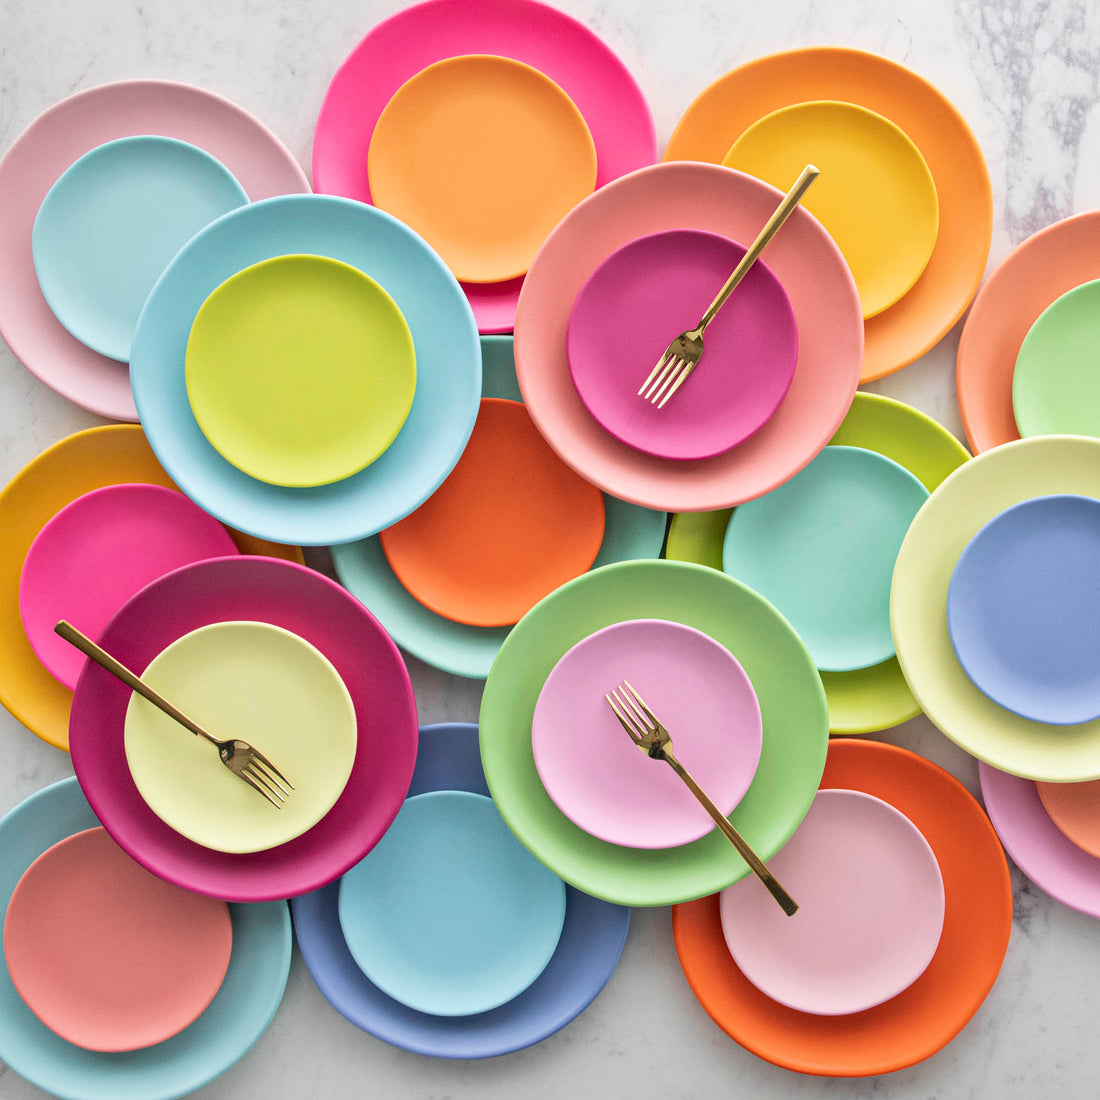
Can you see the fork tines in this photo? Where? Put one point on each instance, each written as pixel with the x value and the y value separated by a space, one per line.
pixel 260 774
pixel 666 378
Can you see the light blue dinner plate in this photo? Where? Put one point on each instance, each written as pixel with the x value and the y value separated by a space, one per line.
pixel 235 1019
pixel 448 362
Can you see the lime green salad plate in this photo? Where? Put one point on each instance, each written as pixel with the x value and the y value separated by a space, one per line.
pixel 863 700
pixel 792 705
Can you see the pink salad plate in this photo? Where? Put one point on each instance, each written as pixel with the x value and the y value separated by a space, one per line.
pixel 645 293
pixel 804 258
pixel 325 615
pixel 67 130
pixel 538 35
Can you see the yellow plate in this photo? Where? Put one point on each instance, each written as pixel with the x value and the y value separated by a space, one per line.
pixel 482 156
pixel 300 370
pixel 875 194
pixel 111 455
pixel 866 699
pixel 265 685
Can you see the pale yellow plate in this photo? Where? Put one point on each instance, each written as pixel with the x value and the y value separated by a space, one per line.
pixel 950 518
pixel 875 194
pixel 265 685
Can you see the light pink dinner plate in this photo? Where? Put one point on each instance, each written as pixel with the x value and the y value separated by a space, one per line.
pixel 94 554
pixel 827 312
pixel 650 290
pixel 600 779
pixel 538 35
pixel 871 908
pixel 68 130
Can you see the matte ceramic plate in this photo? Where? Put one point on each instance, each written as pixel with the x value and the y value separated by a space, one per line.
pixel 510 524
pixel 111 222
pixel 1023 609
pixel 448 367
pixel 70 128
pixel 450 914
pixel 92 986
pixel 866 699
pixel 953 514
pixel 399 47
pixel 265 685
pixel 1054 387
pixel 597 776
pixel 100 549
pixel 482 156
pixel 940 296
pixel 77 464
pixel 925 1017
pixel 792 705
pixel 822 547
pixel 1030 278
pixel 645 293
pixel 300 370
pixel 587 953
pixel 804 258
pixel 875 195
pixel 1073 807
pixel 249 995
pixel 318 610
pixel 870 909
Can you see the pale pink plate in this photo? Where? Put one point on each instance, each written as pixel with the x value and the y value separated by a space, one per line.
pixel 600 779
pixel 645 293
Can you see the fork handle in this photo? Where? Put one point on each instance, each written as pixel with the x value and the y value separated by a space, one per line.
pixel 790 906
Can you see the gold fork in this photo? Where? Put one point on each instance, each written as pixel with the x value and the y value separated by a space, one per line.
pixel 238 756
pixel 648 734
pixel 682 356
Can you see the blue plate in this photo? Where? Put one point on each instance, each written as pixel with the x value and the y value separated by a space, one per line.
pixel 588 951
pixel 1023 609
pixel 448 361
pixel 234 1020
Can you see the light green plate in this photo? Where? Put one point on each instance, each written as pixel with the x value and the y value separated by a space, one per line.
pixel 792 705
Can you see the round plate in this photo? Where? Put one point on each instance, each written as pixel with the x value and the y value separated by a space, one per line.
pixel 595 774
pixel 1073 808
pixel 265 685
pixel 482 156
pixel 448 366
pixel 111 222
pixel 86 982
pixel 803 257
pixel 875 196
pixel 822 547
pixel 1023 609
pixel 792 705
pixel 587 953
pixel 510 524
pixel 75 465
pixel 940 296
pixel 450 914
pixel 235 1019
pixel 96 552
pixel 70 128
pixel 399 47
pixel 925 1017
pixel 953 514
pixel 870 914
pixel 300 370
pixel 318 610
pixel 645 293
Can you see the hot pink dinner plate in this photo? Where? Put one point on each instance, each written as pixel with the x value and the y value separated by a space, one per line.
pixel 827 312
pixel 645 293
pixel 66 131
pixel 325 615
pixel 600 779
pixel 540 36
pixel 94 554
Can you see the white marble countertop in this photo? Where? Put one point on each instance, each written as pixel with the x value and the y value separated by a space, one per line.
pixel 1026 76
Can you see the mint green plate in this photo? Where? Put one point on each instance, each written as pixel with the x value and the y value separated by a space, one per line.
pixel 792 705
